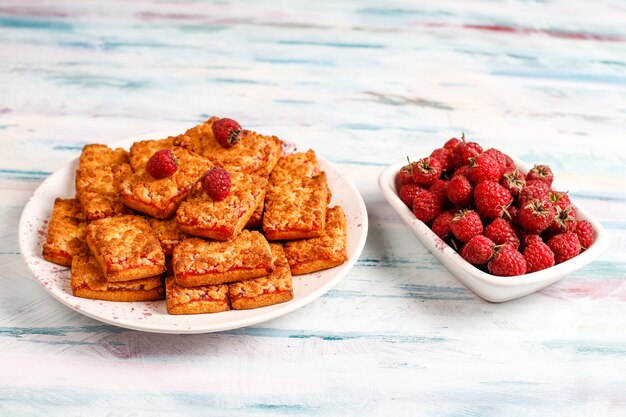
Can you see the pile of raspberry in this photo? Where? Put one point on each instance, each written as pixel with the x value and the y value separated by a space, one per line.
pixel 499 219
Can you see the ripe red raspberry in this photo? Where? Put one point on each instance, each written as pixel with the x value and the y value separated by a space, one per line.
pixel 584 231
pixel 441 225
pixel 408 193
pixel 529 193
pixel 538 256
pixel 444 156
pixel 500 231
pixel 451 143
pixel 507 262
pixel 426 171
pixel 564 246
pixel 463 151
pixel 466 224
pixel 538 183
pixel 162 164
pixel 460 191
pixel 509 165
pixel 439 188
pixel 536 216
pixel 491 199
pixel 461 171
pixel 564 220
pixel 559 198
pixel 484 167
pixel 527 238
pixel 499 157
pixel 542 173
pixel 478 250
pixel 426 206
pixel 227 132
pixel 405 176
pixel 513 181
pixel 216 183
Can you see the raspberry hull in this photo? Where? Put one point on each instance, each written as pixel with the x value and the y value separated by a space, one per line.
pixel 488 209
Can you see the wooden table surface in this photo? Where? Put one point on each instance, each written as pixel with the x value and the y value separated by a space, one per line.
pixel 363 83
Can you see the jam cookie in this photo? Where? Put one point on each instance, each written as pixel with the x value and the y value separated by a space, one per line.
pixel 142 151
pixel 297 165
pixel 161 197
pixel 66 232
pixel 200 215
pixel 167 232
pixel 260 292
pixel 326 251
pixel 202 262
pixel 255 153
pixel 88 281
pixel 296 209
pixel 126 248
pixel 100 171
pixel 195 300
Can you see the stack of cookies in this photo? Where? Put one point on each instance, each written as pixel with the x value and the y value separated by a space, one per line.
pixel 136 234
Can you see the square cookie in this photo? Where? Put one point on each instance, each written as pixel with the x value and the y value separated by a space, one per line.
pixel 326 251
pixel 202 262
pixel 297 165
pixel 99 174
pixel 296 209
pixel 260 292
pixel 200 215
pixel 168 233
pixel 195 300
pixel 160 197
pixel 142 151
pixel 254 154
pixel 88 281
pixel 66 232
pixel 126 248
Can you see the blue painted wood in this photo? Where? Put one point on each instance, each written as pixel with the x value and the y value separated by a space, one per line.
pixel 364 84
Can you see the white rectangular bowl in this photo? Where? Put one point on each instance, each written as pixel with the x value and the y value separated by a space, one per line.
pixel 490 287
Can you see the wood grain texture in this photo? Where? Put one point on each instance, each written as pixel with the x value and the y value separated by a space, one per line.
pixel 364 84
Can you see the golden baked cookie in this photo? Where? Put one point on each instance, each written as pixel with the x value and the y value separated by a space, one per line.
pixel 142 151
pixel 297 165
pixel 88 282
pixel 66 232
pixel 126 248
pixel 200 215
pixel 203 262
pixel 326 251
pixel 161 197
pixel 260 292
pixel 167 232
pixel 296 209
pixel 195 300
pixel 254 154
pixel 100 171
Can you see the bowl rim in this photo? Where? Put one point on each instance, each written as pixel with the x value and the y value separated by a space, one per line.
pixel 387 185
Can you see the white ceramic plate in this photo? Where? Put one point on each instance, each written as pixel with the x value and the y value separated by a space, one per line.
pixel 152 316
pixel 489 287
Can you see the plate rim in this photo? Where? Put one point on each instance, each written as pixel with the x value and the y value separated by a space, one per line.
pixel 286 308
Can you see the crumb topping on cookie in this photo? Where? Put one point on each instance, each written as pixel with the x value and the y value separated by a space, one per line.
pixel 298 204
pixel 125 242
pixel 99 174
pixel 330 246
pixel 278 281
pixel 249 250
pixel 297 165
pixel 86 273
pixel 66 231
